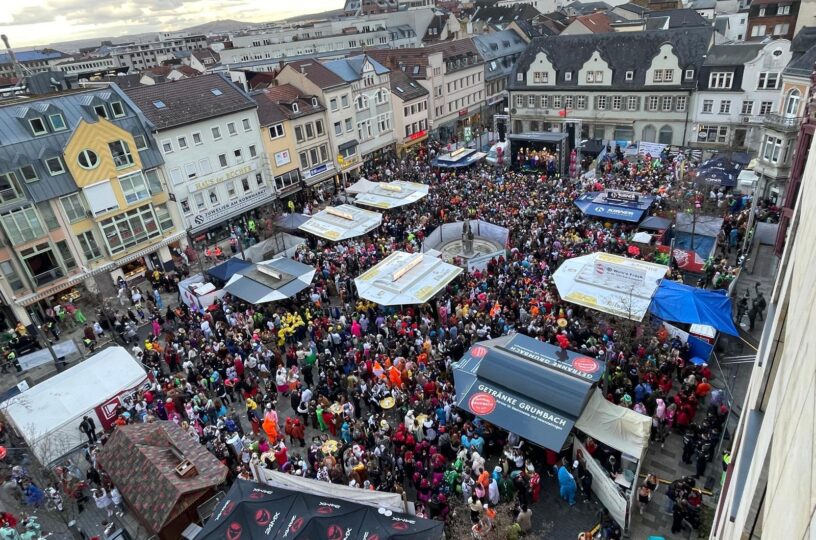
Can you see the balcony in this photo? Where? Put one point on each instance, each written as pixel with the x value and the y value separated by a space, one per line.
pixel 782 123
pixel 49 276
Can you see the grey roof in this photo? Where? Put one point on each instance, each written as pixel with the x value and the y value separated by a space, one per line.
pixel 405 88
pixel 623 51
pixel 585 8
pixel 499 44
pixel 802 65
pixel 18 146
pixel 351 69
pixel 703 4
pixel 732 54
pixel 721 24
pixel 529 30
pixel 187 101
pixel 681 18
pixel 633 8
pixel 504 14
pixel 316 72
pixel 657 23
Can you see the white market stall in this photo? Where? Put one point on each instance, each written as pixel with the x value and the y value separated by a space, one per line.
pixel 405 279
pixel 270 281
pixel 387 195
pixel 624 430
pixel 199 293
pixel 610 283
pixel 342 222
pixel 48 415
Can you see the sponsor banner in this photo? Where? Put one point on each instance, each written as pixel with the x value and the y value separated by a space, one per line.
pixel 215 215
pixel 553 357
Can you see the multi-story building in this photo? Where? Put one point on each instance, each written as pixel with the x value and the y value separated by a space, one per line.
pixel 208 132
pixel 371 99
pixel 409 101
pixel 278 136
pixel 32 61
pixel 620 86
pixel 315 79
pixel 780 128
pixel 82 198
pixel 735 25
pixel 139 56
pixel 772 18
pixel 500 50
pixel 370 7
pixel 739 86
pixel 83 68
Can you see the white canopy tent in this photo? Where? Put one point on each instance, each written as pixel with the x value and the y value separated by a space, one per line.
pixel 610 283
pixel 270 281
pixel 389 195
pixel 48 415
pixel 405 279
pixel 342 222
pixel 362 185
pixel 615 426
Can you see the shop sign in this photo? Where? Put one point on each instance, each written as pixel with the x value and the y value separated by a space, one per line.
pixel 463 112
pixel 219 213
pixel 282 158
pixel 320 169
pixel 416 135
pixel 498 98
pixel 240 171
pixel 622 196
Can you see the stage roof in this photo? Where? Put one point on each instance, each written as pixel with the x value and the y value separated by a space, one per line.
pixel 405 278
pixel 342 222
pixel 387 195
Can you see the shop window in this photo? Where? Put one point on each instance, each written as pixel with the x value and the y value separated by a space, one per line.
pixel 130 228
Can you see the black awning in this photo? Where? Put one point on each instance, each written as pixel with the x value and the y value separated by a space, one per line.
pixel 346 145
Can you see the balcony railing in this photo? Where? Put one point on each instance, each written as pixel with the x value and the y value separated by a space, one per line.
pixel 782 123
pixel 49 276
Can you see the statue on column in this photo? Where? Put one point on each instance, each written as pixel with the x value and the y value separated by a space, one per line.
pixel 467 239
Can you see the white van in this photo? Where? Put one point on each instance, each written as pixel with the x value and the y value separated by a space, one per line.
pixel 493 154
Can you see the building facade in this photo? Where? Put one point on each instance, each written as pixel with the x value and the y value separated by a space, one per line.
pixel 409 101
pixel 500 51
pixel 739 87
pixel 32 61
pixel 278 138
pixel 615 86
pixel 144 55
pixel 208 132
pixel 772 18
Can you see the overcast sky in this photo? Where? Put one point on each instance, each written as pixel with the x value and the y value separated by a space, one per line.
pixel 36 22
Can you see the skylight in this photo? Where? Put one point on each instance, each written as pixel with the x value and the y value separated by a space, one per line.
pixel 400 90
pixel 216 92
pixel 159 104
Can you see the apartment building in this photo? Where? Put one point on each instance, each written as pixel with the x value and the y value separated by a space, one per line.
pixel 739 87
pixel 144 55
pixel 83 201
pixel 500 50
pixel 208 132
pixel 620 86
pixel 409 101
pixel 772 19
pixel 87 67
pixel 32 61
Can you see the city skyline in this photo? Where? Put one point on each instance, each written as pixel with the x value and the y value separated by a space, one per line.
pixel 33 23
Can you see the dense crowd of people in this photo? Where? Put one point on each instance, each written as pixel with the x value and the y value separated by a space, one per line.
pixel 333 387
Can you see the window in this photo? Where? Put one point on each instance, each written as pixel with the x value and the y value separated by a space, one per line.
pixel 141 142
pixel 100 111
pixel 680 103
pixel 199 201
pixel 762 12
pixel 344 101
pixel 568 102
pixel 153 181
pixel 520 77
pixel 319 128
pixel 134 187
pixel 668 75
pixel 708 106
pixel 11 276
pixel 164 217
pixel 182 143
pixel 222 160
pixel 773 149
pixel 632 103
pixel 253 152
pixel 185 206
pixel 100 198
pixel 67 257
pixel 57 122
pixel 167 146
pixel 556 101
pixel 747 107
pixel 765 107
pixel 276 131
pixel 720 80
pixel 54 166
pixel 197 139
pixel 713 134
pixel 245 123
pixel 259 180
pixel 90 248
pixel 23 225
pixel 580 102
pixel 286 180
pixel 666 103
pixel 600 103
pixel 28 173
pixel 349 125
pixel 239 157
pixel 41 263
pixel 48 215
pixel 309 130
pixel 768 81
pixel 117 109
pixel 129 229
pixel 783 10
pixel 792 103
pixel 216 133
pixel 190 170
pixel 333 104
pixel 231 128
pixel 567 75
pixel 653 103
pixel 245 184
pixel 758 30
pixel 231 193
pixel 121 154
pixel 73 207
pixel 299 134
pixel 531 101
pixel 725 106
pixel 616 103
pixel 37 126
pixel 689 74
pixel 657 76
pixel 338 128
pixel 519 101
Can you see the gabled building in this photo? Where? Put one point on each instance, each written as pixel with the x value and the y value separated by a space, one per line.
pixel 208 133
pixel 621 86
pixel 594 23
pixel 409 100
pixel 500 50
pixel 772 18
pixel 83 201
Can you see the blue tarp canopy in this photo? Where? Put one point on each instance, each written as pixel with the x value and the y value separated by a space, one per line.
pixel 682 303
pixel 718 176
pixel 526 386
pixel 228 268
pixel 592 204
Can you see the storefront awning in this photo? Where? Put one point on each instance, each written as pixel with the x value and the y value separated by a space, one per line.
pixel 342 222
pixel 405 279
pixel 598 204
pixel 609 283
pixel 387 195
pixel 526 386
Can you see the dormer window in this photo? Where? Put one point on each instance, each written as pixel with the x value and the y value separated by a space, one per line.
pixel 314 102
pixel 568 75
pixel 118 109
pixel 57 122
pixel 54 166
pixel 630 75
pixel 295 108
pixel 689 74
pixel 100 111
pixel 38 126
pixel 120 151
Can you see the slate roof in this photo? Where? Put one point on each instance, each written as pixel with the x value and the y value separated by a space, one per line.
pixel 124 81
pixel 633 8
pixel 317 73
pixel 721 24
pixel 703 4
pixel 681 18
pixel 503 14
pixel 351 69
pixel 499 44
pixel 528 29
pixel 275 104
pixel 187 101
pixel 585 8
pixel 140 462
pixel 405 88
pixel 206 53
pixel 623 51
pixel 732 54
pixel 413 61
pixel 452 49
pixel 802 63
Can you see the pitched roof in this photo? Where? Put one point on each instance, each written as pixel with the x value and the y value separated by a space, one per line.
pixel 413 61
pixel 596 22
pixel 585 8
pixel 452 49
pixel 275 104
pixel 141 461
pixel 702 4
pixel 177 103
pixel 632 7
pixel 405 88
pixel 503 14
pixel 732 54
pixel 623 51
pixel 351 69
pixel 206 53
pixel 317 73
pixel 499 44
pixel 681 18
